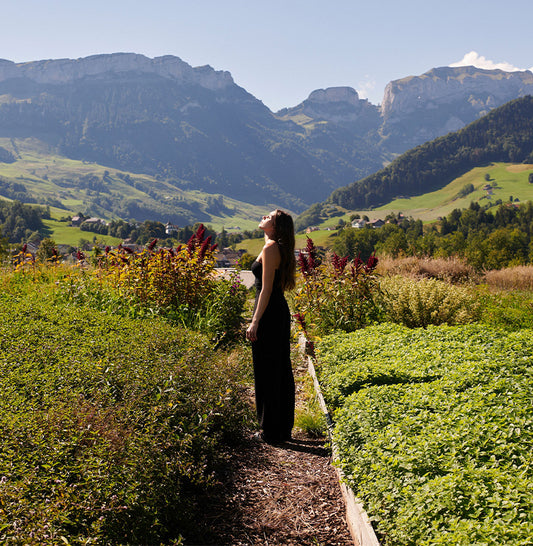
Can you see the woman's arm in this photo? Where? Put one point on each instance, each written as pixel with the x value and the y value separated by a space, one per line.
pixel 270 259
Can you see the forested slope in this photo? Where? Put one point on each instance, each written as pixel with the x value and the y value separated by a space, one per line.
pixel 505 134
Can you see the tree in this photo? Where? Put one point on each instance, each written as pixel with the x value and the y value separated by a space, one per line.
pixel 47 250
pixel 245 261
pixel 222 239
pixel 353 242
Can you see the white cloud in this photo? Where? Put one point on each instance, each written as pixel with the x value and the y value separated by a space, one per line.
pixel 366 88
pixel 473 58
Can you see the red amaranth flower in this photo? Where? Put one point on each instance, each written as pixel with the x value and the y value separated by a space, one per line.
pixel 24 248
pixel 303 265
pixel 371 263
pixel 203 249
pixel 200 233
pixel 107 249
pixel 214 247
pixel 339 264
pixel 311 254
pixel 80 256
pixel 127 249
pixel 152 244
pixel 191 244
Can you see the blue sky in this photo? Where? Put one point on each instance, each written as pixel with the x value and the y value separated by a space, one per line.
pixel 279 50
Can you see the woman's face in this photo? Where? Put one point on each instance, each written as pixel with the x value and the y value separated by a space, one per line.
pixel 267 222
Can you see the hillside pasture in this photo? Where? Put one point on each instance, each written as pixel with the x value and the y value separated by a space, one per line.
pixel 64 234
pixel 69 185
pixel 507 180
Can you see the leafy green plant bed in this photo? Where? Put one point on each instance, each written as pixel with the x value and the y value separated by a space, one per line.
pixel 434 430
pixel 110 425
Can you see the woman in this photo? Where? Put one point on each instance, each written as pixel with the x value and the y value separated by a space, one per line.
pixel 269 331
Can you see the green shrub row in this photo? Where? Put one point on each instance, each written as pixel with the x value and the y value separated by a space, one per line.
pixel 416 303
pixel 110 426
pixel 435 430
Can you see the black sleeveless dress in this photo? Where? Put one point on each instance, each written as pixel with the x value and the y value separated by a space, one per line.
pixel 274 381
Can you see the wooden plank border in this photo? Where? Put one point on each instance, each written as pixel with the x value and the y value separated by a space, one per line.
pixel 358 522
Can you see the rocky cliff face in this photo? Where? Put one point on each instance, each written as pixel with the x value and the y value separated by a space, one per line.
pixel 338 105
pixel 196 126
pixel 193 126
pixel 420 108
pixel 63 71
pixel 417 108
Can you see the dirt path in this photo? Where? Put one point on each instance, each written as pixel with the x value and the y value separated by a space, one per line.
pixel 281 495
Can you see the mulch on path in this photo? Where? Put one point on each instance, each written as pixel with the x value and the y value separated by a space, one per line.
pixel 286 494
pixel 276 495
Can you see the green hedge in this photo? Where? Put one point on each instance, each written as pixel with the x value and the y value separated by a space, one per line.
pixel 434 429
pixel 110 426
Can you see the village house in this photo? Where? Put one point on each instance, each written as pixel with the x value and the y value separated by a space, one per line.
pixel 358 223
pixel 170 229
pixel 227 257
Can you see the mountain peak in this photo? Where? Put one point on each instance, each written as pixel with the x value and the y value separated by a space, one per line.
pixel 340 105
pixel 60 71
pixel 335 94
pixel 446 99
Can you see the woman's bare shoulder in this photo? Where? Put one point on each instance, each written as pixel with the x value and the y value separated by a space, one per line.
pixel 271 248
pixel 271 253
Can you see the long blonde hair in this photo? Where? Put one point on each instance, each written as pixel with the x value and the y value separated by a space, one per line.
pixel 284 237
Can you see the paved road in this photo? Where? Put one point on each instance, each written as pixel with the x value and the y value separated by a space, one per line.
pixel 246 276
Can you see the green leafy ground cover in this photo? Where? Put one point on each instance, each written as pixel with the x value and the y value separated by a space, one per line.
pixel 110 426
pixel 434 428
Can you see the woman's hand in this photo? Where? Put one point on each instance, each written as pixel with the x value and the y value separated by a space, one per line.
pixel 251 332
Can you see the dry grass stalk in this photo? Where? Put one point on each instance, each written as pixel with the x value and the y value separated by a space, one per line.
pixel 511 278
pixel 453 269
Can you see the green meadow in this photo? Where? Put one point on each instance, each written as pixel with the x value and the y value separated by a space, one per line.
pixel 506 180
pixel 64 234
pixel 67 185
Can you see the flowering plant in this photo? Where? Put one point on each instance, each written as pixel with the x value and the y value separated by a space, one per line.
pixel 179 283
pixel 335 294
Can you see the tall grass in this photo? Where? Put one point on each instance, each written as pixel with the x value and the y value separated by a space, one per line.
pixel 453 269
pixel 511 278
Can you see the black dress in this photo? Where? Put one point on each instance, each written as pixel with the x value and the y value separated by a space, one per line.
pixel 274 382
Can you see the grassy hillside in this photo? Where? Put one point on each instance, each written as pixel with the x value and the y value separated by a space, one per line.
pixel 507 180
pixel 64 234
pixel 505 135
pixel 41 176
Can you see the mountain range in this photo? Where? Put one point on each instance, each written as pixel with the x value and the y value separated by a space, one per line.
pixel 196 129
